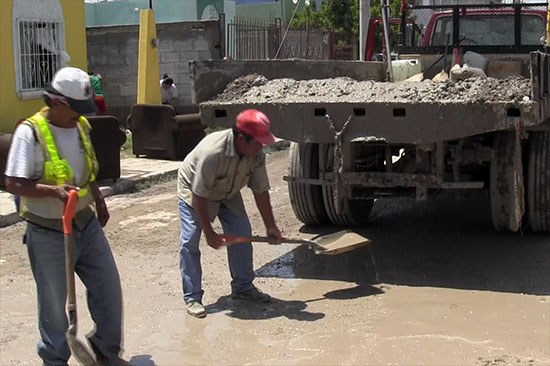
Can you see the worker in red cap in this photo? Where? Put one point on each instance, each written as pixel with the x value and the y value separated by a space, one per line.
pixel 209 185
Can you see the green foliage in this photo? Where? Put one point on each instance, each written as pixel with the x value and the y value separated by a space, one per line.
pixel 339 15
pixel 126 148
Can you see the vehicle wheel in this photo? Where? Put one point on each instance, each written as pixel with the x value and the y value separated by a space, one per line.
pixel 354 212
pixel 506 182
pixel 538 182
pixel 306 199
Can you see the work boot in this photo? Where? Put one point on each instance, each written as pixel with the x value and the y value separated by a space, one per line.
pixel 254 294
pixel 195 308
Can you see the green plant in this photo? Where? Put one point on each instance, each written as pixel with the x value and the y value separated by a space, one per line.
pixel 126 148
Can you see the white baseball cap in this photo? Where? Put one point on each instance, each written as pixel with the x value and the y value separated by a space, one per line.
pixel 74 85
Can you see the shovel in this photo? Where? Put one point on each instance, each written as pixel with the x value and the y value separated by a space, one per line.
pixel 79 350
pixel 335 243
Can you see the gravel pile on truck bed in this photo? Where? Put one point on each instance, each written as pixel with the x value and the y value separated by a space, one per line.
pixel 256 89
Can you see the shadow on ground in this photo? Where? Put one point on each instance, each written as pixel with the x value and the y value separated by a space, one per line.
pixel 244 309
pixel 295 309
pixel 440 243
pixel 142 360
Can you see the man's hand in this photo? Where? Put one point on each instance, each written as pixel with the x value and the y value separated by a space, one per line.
pixel 273 232
pixel 61 192
pixel 219 240
pixel 102 212
pixel 213 239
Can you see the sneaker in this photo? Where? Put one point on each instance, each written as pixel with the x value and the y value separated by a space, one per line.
pixel 195 308
pixel 254 294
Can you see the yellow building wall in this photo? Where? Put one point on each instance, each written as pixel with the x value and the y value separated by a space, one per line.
pixel 12 108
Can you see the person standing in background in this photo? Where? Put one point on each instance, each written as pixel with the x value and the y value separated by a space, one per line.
pixel 168 91
pixel 95 80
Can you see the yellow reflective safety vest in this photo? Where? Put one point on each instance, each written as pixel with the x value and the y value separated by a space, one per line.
pixel 47 211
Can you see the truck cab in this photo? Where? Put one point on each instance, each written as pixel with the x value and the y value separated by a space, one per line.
pixel 485 27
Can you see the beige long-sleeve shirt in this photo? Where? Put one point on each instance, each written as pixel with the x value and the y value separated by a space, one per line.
pixel 214 170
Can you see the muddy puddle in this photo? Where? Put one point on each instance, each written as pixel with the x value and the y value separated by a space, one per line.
pixel 437 286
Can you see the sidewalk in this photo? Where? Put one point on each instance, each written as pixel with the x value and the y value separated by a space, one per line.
pixel 133 171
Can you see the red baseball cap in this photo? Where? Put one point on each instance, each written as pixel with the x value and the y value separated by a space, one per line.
pixel 256 124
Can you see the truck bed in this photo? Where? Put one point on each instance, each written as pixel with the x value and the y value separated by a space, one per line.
pixel 302 109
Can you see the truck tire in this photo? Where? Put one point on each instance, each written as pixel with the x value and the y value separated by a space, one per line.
pixel 354 212
pixel 538 182
pixel 306 199
pixel 506 182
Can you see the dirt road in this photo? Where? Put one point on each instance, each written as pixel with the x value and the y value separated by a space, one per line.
pixel 437 287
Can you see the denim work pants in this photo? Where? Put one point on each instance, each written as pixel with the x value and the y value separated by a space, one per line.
pixel 95 265
pixel 239 255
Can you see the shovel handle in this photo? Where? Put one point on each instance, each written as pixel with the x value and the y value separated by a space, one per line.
pixel 69 211
pixel 272 240
pixel 261 239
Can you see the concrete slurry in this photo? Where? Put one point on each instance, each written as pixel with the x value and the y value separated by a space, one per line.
pixel 256 89
pixel 133 171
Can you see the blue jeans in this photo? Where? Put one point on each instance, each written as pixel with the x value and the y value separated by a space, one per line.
pixel 95 265
pixel 239 255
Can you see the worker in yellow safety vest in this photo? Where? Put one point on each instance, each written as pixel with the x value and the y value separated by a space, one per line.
pixel 51 154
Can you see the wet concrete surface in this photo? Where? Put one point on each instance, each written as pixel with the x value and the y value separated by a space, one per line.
pixel 437 286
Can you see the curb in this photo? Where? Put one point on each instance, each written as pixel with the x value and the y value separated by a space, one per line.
pixel 122 185
pixel 9 219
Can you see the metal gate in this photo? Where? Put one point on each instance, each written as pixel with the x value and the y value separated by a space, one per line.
pixel 254 39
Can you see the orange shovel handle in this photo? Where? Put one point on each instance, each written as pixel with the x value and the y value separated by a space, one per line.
pixel 69 211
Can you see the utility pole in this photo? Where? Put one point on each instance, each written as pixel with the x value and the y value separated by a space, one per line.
pixel 364 19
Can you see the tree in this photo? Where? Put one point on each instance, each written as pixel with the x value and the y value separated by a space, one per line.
pixel 339 15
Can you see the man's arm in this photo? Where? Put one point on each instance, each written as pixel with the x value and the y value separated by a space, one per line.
pixel 263 203
pixel 21 178
pixel 201 208
pixel 100 206
pixel 30 188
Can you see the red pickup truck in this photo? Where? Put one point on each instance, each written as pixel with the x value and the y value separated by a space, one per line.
pixel 478 27
pixel 486 27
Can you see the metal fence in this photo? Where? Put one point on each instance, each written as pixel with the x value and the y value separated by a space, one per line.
pixel 254 40
pixel 250 39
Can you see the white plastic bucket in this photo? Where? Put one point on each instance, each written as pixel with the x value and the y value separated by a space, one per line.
pixel 404 69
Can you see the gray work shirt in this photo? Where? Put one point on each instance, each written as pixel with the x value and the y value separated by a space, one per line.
pixel 214 170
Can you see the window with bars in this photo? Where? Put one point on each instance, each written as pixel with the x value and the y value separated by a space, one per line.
pixel 40 51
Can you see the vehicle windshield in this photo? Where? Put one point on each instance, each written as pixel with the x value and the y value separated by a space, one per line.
pixel 490 30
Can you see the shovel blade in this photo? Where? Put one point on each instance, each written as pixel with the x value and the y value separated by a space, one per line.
pixel 340 242
pixel 80 352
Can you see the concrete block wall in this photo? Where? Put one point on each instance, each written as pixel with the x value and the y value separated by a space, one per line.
pixel 113 52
